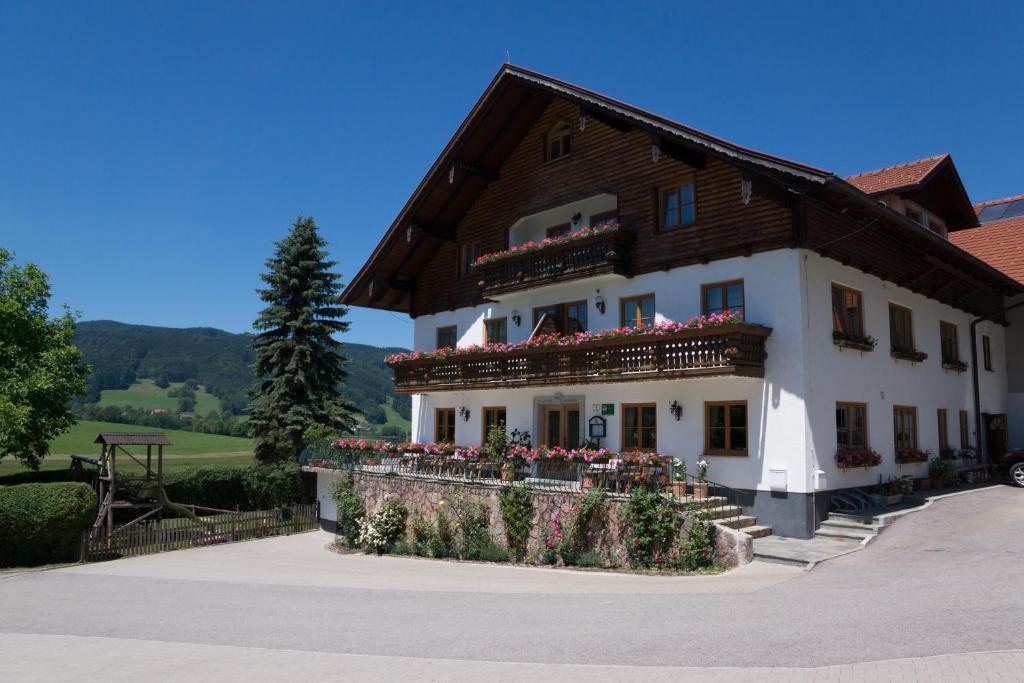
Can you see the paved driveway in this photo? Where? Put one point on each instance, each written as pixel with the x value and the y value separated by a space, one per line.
pixel 937 596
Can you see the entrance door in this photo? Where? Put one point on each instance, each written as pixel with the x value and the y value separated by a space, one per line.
pixel 562 425
pixel 995 436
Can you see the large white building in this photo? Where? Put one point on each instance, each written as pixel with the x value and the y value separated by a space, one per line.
pixel 857 309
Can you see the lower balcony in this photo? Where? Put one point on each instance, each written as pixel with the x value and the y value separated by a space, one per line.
pixel 726 350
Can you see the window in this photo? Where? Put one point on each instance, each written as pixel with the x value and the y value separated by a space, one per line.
pixel 901 327
pixel 467 254
pixel 444 425
pixel 950 344
pixel 725 428
pixel 914 214
pixel 599 218
pixel 638 311
pixel 678 205
pixel 447 337
pixel 986 351
pixel 496 331
pixel 943 429
pixel 558 230
pixel 851 425
pixel 965 431
pixel 639 427
pixel 722 297
pixel 905 426
pixel 493 417
pixel 567 318
pixel 847 311
pixel 558 143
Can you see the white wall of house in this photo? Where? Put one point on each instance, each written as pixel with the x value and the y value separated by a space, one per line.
pixel 1014 345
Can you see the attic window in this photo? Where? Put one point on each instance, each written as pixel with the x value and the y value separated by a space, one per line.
pixel 915 215
pixel 558 142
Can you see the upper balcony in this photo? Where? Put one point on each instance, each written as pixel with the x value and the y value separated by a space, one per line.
pixel 724 350
pixel 601 253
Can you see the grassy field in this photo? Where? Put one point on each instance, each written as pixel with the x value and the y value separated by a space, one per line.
pixel 188 448
pixel 148 396
pixel 395 419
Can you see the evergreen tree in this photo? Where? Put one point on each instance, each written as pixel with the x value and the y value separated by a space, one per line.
pixel 298 362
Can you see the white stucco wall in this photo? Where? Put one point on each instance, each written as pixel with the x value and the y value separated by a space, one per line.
pixel 1015 374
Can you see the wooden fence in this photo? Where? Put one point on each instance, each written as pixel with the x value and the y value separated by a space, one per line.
pixel 224 526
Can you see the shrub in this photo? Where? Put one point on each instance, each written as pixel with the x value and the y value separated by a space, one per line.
pixel 379 531
pixel 474 535
pixel 257 487
pixel 650 525
pixel 697 549
pixel 442 544
pixel 43 523
pixel 351 508
pixel 578 525
pixel 423 535
pixel 516 506
pixel 590 558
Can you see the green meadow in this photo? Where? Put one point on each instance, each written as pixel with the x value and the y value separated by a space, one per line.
pixel 148 396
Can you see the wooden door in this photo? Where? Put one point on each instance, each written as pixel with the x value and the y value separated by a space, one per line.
pixel 562 426
pixel 995 436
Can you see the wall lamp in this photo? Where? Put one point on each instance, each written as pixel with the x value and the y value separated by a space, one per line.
pixel 599 303
pixel 677 410
pixel 516 318
pixel 464 413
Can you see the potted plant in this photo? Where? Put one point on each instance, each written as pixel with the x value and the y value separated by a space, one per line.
pixel 700 487
pixel 679 478
pixel 923 484
pixel 943 472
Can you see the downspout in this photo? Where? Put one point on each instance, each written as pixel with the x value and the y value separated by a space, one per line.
pixel 975 376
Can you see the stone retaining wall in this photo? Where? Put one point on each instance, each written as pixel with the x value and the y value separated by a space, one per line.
pixel 421 495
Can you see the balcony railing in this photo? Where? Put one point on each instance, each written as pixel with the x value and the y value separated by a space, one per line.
pixel 736 349
pixel 598 255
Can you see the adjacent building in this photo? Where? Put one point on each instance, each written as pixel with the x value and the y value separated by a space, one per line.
pixel 555 209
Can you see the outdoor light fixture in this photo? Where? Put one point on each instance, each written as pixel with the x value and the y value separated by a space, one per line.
pixel 516 318
pixel 677 410
pixel 576 217
pixel 464 413
pixel 599 303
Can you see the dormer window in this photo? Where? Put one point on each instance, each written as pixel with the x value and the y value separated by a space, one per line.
pixel 915 215
pixel 678 204
pixel 558 143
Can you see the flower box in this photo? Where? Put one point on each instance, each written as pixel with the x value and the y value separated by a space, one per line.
pixel 551 242
pixel 912 355
pixel 907 456
pixel 856 342
pixel 955 365
pixel 848 458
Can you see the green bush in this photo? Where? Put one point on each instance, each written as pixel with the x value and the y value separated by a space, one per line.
pixel 351 508
pixel 258 487
pixel 35 477
pixel 474 535
pixel 579 523
pixel 697 549
pixel 650 526
pixel 516 505
pixel 442 544
pixel 380 531
pixel 43 523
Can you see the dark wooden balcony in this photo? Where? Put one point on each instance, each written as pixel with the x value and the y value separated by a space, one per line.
pixel 736 350
pixel 597 255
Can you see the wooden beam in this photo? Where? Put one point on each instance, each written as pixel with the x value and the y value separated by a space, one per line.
pixel 418 230
pixel 611 121
pixel 472 169
pixel 682 154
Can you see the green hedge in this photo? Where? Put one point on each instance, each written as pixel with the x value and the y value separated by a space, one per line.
pixel 36 477
pixel 247 488
pixel 43 523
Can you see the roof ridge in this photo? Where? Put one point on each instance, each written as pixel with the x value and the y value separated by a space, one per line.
pixel 994 202
pixel 936 157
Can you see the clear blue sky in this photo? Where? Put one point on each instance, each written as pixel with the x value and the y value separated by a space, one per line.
pixel 151 152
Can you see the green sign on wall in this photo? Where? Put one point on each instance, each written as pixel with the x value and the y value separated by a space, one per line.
pixel 607 408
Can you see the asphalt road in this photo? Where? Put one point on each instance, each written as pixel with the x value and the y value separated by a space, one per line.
pixel 941 581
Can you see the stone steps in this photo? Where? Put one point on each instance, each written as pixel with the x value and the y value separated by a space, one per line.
pixel 740 522
pixel 757 531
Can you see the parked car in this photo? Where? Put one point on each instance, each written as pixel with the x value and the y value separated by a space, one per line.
pixel 1012 467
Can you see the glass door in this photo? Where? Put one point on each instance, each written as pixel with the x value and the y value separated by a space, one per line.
pixel 562 425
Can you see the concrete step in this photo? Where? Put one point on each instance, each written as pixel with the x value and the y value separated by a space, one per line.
pixel 852 518
pixel 740 522
pixel 709 502
pixel 846 535
pixel 801 552
pixel 756 531
pixel 724 511
pixel 843 524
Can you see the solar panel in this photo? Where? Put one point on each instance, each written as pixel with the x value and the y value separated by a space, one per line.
pixel 1014 209
pixel 992 213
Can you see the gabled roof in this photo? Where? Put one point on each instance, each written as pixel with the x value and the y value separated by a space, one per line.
pixel 999 242
pixel 932 182
pixel 133 439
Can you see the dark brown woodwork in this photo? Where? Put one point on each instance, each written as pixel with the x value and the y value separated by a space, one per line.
pixel 729 350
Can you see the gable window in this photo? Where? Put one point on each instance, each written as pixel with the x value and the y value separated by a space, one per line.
pixel 847 311
pixel 638 311
pixel 901 328
pixel 943 429
pixel 965 432
pixel 493 417
pixel 725 428
pixel 639 427
pixel 950 343
pixel 722 297
pixel 558 230
pixel 904 420
pixel 914 214
pixel 851 425
pixel 567 318
pixel 496 331
pixel 447 337
pixel 444 425
pixel 677 205
pixel 558 142
pixel 467 254
pixel 986 351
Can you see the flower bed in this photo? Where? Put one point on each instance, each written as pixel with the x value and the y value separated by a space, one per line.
pixel 858 342
pixel 913 355
pixel 527 247
pixel 570 340
pixel 857 457
pixel 911 455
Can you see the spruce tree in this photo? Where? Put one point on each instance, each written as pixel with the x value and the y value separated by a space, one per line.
pixel 298 361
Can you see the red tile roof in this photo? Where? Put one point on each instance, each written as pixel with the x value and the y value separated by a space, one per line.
pixel 898 177
pixel 999 243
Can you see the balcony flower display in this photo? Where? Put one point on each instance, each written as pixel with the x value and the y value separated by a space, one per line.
pixel 954 364
pixel 913 355
pixel 847 458
pixel 911 455
pixel 861 342
pixel 665 327
pixel 527 247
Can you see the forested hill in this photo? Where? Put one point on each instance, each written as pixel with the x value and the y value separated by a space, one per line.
pixel 221 361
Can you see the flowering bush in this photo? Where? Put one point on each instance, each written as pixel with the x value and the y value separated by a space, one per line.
pixel 542 341
pixel 913 355
pixel 857 457
pixel 527 247
pixel 905 455
pixel 379 531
